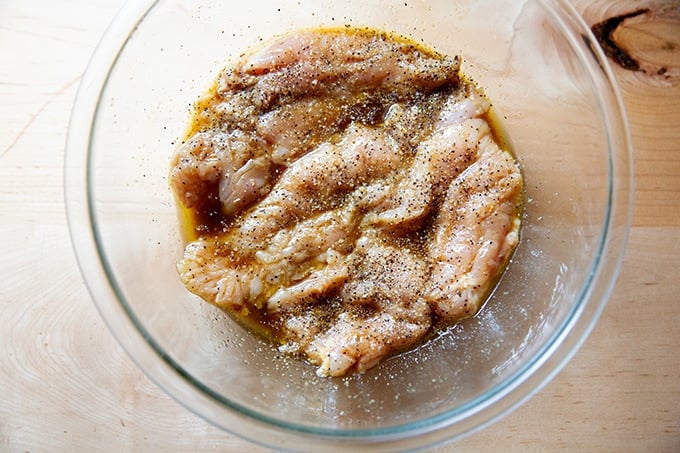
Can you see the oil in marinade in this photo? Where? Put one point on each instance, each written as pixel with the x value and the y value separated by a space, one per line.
pixel 343 192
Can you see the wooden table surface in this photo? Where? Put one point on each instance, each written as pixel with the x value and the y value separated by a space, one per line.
pixel 66 385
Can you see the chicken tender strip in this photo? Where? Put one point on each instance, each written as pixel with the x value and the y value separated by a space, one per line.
pixel 230 166
pixel 438 161
pixel 313 256
pixel 294 129
pixel 212 276
pixel 476 231
pixel 300 265
pixel 310 62
pixel 382 312
pixel 310 184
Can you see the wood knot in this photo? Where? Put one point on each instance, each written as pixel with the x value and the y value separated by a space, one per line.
pixel 644 40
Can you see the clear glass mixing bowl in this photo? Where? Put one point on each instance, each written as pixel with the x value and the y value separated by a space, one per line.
pixel 554 92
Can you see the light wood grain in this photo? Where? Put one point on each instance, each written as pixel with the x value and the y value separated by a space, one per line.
pixel 65 384
pixel 652 101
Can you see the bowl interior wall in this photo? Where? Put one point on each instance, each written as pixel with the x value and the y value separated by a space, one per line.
pixel 545 102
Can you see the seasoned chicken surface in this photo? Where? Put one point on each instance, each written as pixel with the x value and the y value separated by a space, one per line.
pixel 345 193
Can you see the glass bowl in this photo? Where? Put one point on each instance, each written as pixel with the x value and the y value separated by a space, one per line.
pixel 558 103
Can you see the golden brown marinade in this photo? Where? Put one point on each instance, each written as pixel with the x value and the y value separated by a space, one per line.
pixel 343 192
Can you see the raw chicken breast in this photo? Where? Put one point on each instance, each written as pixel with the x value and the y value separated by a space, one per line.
pixel 346 192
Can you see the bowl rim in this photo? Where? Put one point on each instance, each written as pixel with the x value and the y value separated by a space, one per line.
pixel 258 428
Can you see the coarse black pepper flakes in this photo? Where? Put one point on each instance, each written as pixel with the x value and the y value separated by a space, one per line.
pixel 361 229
